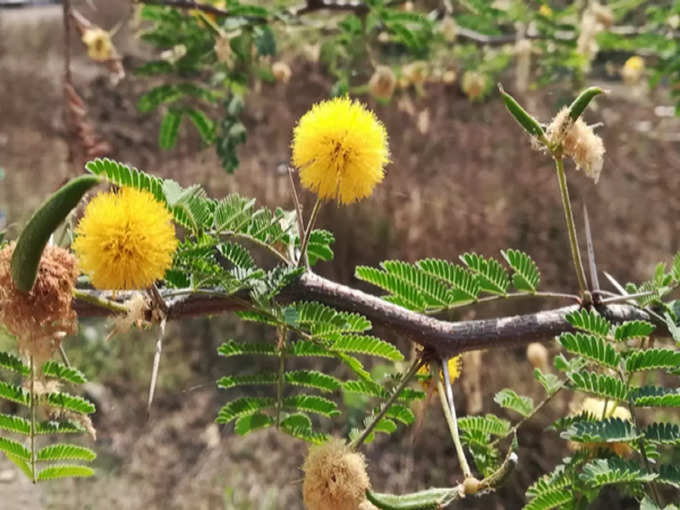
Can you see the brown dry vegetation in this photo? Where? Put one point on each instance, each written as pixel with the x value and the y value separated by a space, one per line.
pixel 469 183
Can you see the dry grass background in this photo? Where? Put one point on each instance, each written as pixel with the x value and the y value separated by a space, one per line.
pixel 468 182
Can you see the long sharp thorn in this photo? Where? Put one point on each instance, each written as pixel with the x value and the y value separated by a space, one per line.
pixel 616 284
pixel 594 282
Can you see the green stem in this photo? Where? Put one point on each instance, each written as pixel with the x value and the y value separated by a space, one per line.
pixel 33 420
pixel 450 414
pixel 282 370
pixel 99 301
pixel 308 233
pixel 569 217
pixel 417 363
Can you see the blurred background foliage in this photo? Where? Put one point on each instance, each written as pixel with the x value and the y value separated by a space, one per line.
pixel 462 179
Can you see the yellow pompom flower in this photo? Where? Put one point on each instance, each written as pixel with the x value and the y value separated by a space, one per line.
pixel 125 240
pixel 99 45
pixel 340 148
pixel 455 366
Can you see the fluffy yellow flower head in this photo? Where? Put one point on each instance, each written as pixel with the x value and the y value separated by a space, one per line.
pixel 455 366
pixel 125 240
pixel 340 148
pixel 633 69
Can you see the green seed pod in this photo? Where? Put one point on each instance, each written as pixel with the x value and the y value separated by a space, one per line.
pixel 530 124
pixel 36 233
pixel 429 499
pixel 581 102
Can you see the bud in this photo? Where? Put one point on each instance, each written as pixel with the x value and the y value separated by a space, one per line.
pixel 99 45
pixel 537 355
pixel 281 72
pixel 473 85
pixel 382 83
pixel 633 69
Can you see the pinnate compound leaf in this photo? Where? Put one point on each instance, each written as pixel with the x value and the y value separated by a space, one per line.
pixel 511 400
pixel 464 287
pixel 488 425
pixel 65 471
pixel 242 407
pixel 602 385
pixel 58 452
pixel 655 396
pixel 526 275
pixel 366 344
pixel 233 348
pixel 311 404
pixel 13 448
pixel 9 361
pixel 589 321
pixel 601 472
pixel 591 347
pixel 663 433
pixel 70 402
pixel 633 329
pixel 653 359
pixel 611 430
pixel 60 371
pixel 15 424
pixel 491 276
pixel 14 393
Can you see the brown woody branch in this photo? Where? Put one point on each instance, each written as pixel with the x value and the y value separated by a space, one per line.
pixel 443 337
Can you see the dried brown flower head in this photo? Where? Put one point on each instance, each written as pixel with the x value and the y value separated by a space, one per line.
pixel 537 355
pixel 40 318
pixel 335 477
pixel 281 72
pixel 382 83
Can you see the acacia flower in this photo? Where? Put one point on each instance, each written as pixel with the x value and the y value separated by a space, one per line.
pixel 455 366
pixel 340 148
pixel 633 69
pixel 125 240
pixel 99 45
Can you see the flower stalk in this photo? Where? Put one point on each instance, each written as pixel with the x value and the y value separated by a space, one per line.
pixel 571 228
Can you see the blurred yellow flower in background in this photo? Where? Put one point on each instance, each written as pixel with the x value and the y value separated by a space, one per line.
pixel 126 240
pixel 98 43
pixel 340 149
pixel 633 69
pixel 455 366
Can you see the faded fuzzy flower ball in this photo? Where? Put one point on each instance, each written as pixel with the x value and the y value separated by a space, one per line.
pixel 99 45
pixel 335 477
pixel 382 83
pixel 125 240
pixel 40 318
pixel 340 149
pixel 579 142
pixel 281 72
pixel 474 85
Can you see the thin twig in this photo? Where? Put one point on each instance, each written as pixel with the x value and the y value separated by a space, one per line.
pixel 308 233
pixel 417 363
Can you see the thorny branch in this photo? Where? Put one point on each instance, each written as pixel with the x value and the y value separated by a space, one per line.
pixel 446 338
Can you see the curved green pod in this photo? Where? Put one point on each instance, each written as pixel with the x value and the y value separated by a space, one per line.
pixel 581 102
pixel 36 233
pixel 530 124
pixel 429 499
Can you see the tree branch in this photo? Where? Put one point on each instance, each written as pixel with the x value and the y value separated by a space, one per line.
pixel 444 337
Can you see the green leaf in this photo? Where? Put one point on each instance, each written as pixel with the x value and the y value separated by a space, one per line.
pixel 464 286
pixel 601 472
pixel 233 381
pixel 14 448
pixel 157 96
pixel 633 329
pixel 612 430
pixel 366 344
pixel 313 379
pixel 14 393
pixel 354 365
pixel 236 254
pixel 311 404
pixel 233 348
pixel 400 413
pixel 654 396
pixel 526 276
pixel 589 321
pixel 550 382
pixel 510 400
pixel 57 452
pixel 302 431
pixel 553 498
pixel 306 348
pixel 251 422
pixel 320 319
pixel 669 475
pixel 529 123
pixel 593 348
pixel 13 363
pixel 385 426
pixel 204 125
pixel 60 371
pixel 124 175
pixel 581 102
pixel 15 424
pixel 488 425
pixel 65 471
pixel 33 238
pixel 70 402
pixel 491 276
pixel 242 407
pixel 602 385
pixel 167 136
pixel 319 246
pixel 58 427
pixel 653 359
pixel 663 433
pixel 368 388
pixel 22 464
